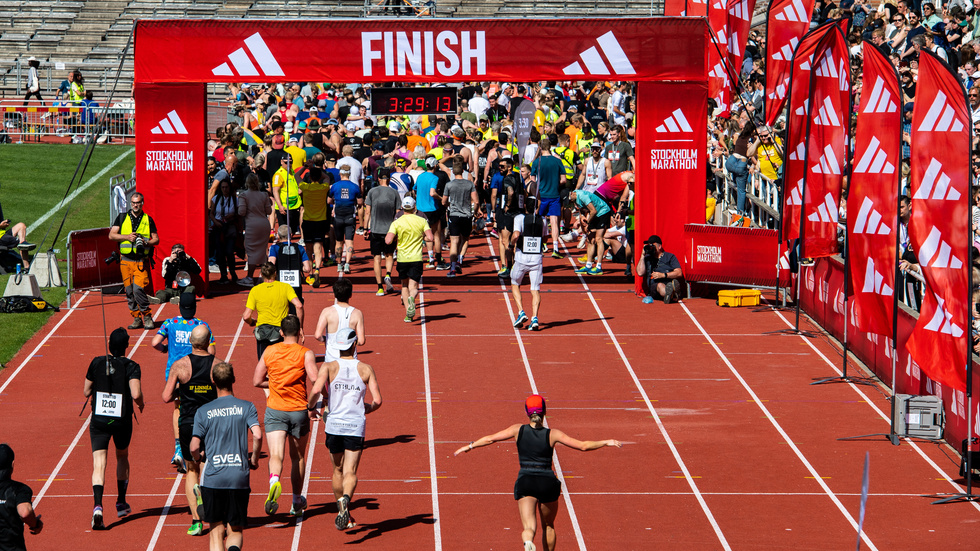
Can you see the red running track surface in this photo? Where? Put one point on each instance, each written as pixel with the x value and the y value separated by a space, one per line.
pixel 726 444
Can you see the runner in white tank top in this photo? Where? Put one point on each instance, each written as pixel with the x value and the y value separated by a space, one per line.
pixel 343 322
pixel 340 316
pixel 345 401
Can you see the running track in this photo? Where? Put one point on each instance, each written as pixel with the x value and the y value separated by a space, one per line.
pixel 726 445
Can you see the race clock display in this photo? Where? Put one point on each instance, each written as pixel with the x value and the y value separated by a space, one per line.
pixel 414 101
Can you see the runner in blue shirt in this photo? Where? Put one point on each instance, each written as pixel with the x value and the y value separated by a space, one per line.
pixel 345 196
pixel 176 331
pixel 596 216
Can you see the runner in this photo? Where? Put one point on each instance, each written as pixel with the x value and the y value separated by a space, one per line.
pixel 284 370
pixel 270 302
pixel 346 380
pixel 528 240
pixel 550 172
pixel 508 199
pixel 190 380
pixel 345 196
pixel 411 231
pixel 113 383
pixel 339 316
pixel 222 426
pixel 316 218
pixel 382 206
pixel 461 200
pixel 537 488
pixel 15 505
pixel 596 216
pixel 176 331
pixel 429 188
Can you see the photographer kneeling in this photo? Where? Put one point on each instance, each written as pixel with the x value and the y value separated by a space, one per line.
pixel 660 270
pixel 136 234
pixel 178 272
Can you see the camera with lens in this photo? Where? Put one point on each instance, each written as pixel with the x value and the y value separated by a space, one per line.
pixel 114 257
pixel 649 249
pixel 139 245
pixel 180 256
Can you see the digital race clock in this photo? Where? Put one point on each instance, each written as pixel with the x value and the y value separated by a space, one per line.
pixel 414 101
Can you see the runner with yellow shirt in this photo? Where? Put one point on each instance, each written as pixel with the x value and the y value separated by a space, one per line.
pixel 411 231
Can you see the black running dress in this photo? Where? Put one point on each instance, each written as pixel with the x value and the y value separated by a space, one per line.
pixel 536 479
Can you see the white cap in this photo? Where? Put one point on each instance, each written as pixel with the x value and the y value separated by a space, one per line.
pixel 408 203
pixel 351 126
pixel 343 340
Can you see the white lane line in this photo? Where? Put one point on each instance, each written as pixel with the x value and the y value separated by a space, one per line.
pixel 656 417
pixel 956 487
pixel 173 491
pixel 779 429
pixel 306 482
pixel 164 512
pixel 579 538
pixel 42 343
pixel 609 493
pixel 88 420
pixel 78 191
pixel 436 526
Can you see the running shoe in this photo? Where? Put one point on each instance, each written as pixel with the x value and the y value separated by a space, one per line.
pixel 388 286
pixel 196 529
pixel 506 274
pixel 430 264
pixel 628 272
pixel 442 266
pixel 272 503
pixel 298 507
pixel 411 310
pixel 608 256
pixel 343 516
pixel 582 259
pixel 346 267
pixel 452 273
pixel 123 510
pixel 459 268
pixel 97 523
pixel 316 280
pixel 558 255
pixel 647 300
pixel 501 271
pixel 199 501
pixel 178 461
pixel 360 231
pixel 380 293
pixel 534 324
pixel 582 241
pixel 566 237
pixel 521 318
pixel 582 270
pixel 595 270
pixel 329 262
pixel 407 319
pixel 494 234
pixel 529 546
pixel 246 282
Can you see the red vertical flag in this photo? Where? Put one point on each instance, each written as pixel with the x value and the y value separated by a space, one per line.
pixel 872 200
pixel 786 23
pixel 739 23
pixel 939 226
pixel 719 83
pixel 690 8
pixel 830 83
pixel 796 125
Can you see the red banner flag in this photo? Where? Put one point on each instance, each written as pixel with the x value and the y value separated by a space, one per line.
pixel 796 124
pixel 830 107
pixel 872 200
pixel 786 23
pixel 739 23
pixel 719 82
pixel 939 225
pixel 689 8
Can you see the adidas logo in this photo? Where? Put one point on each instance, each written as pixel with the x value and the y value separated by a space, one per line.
pixel 803 109
pixel 171 124
pixel 676 122
pixel 594 63
pixel 936 184
pixel 799 153
pixel 941 117
pixel 874 160
pixel 880 100
pixel 869 220
pixel 780 91
pixel 805 66
pixel 243 64
pixel 827 115
pixel 828 163
pixel 942 320
pixel 741 10
pixel 936 252
pixel 874 282
pixel 718 71
pixel 794 12
pixel 786 52
pixel 826 212
pixel 733 44
pixel 826 67
pixel 795 197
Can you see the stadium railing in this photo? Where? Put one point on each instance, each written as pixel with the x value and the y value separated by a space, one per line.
pixel 57 118
pixel 762 197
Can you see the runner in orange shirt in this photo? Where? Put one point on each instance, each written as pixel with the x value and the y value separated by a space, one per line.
pixel 285 369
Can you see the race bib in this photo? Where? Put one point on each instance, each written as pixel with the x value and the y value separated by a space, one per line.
pixel 290 277
pixel 532 245
pixel 108 404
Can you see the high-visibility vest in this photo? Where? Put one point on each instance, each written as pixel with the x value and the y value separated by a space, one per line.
pixel 126 247
pixel 568 159
pixel 288 189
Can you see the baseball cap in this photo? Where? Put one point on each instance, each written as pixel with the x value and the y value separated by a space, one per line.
pixel 314 109
pixel 401 161
pixel 654 239
pixel 351 126
pixel 302 125
pixel 378 146
pixel 289 126
pixel 484 117
pixel 343 340
pixel 6 456
pixel 293 139
pixel 408 203
pixel 331 121
pixel 188 305
pixel 596 145
pixel 118 340
pixel 431 162
pixel 534 405
pixel 395 126
pixel 383 172
pixel 908 107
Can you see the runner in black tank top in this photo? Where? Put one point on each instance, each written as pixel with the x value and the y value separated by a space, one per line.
pixel 198 390
pixel 537 488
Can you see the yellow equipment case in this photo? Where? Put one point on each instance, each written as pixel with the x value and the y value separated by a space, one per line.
pixel 739 297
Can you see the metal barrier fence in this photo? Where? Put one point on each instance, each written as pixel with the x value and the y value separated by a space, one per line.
pixel 45 119
pixel 761 198
pixel 98 76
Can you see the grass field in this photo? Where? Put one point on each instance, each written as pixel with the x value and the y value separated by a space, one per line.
pixel 33 181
